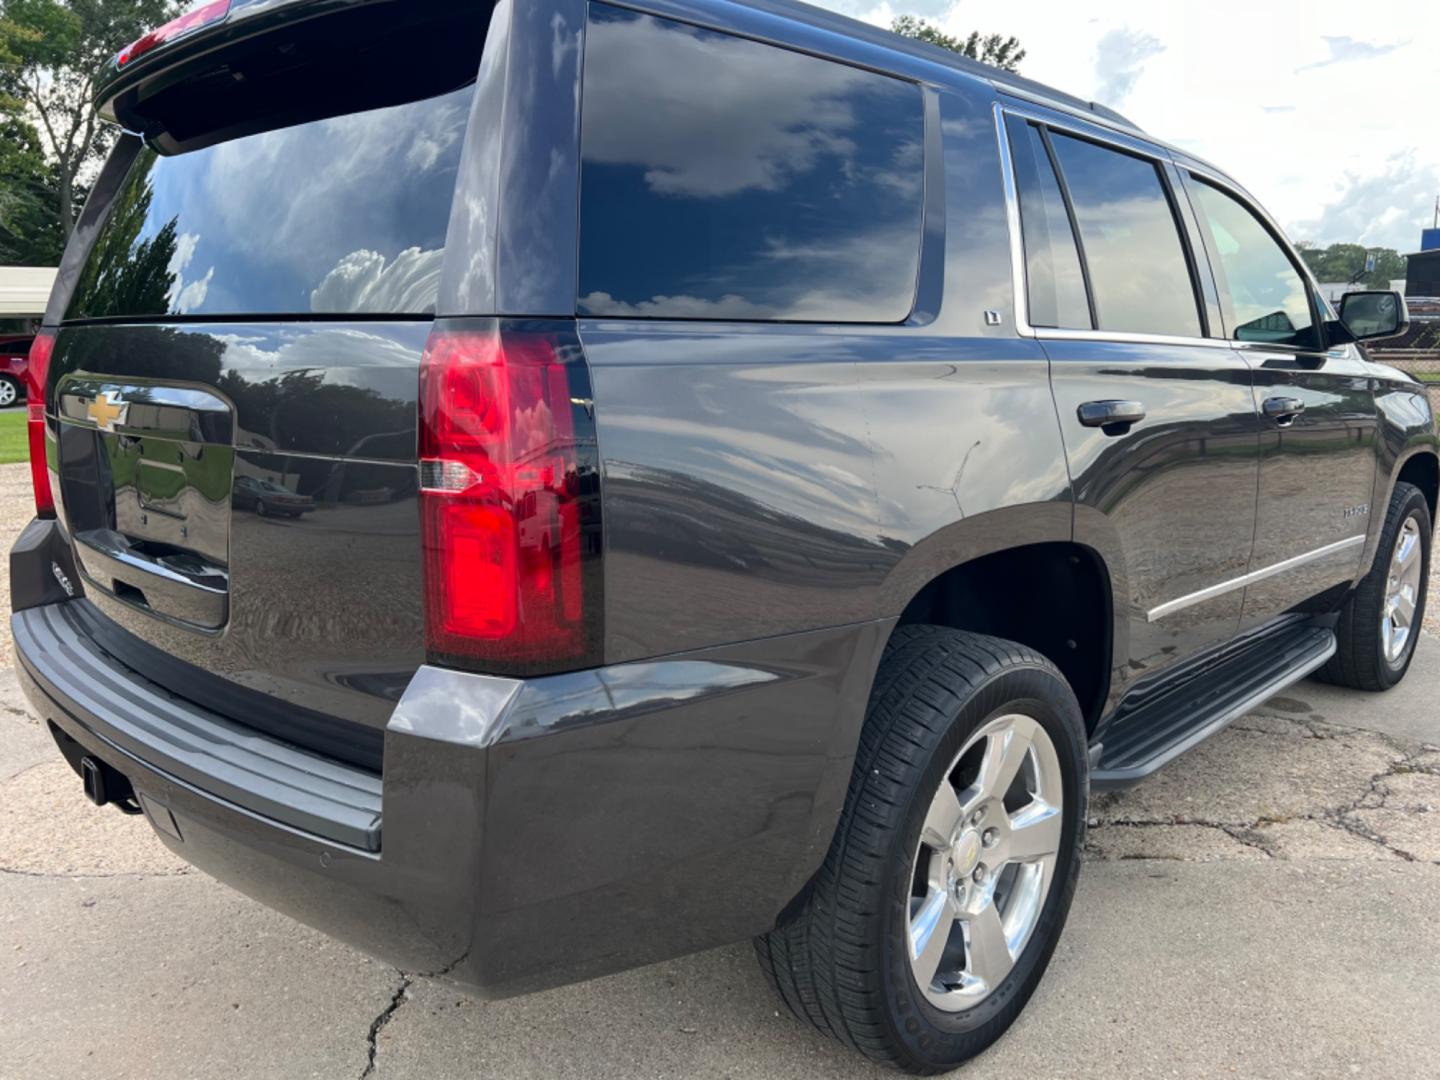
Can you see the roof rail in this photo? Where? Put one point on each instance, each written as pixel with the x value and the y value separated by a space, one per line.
pixel 999 78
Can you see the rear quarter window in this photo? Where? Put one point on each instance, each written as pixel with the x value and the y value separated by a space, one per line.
pixel 339 216
pixel 726 179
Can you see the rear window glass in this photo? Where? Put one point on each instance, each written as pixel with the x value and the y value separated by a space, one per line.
pixel 340 216
pixel 726 179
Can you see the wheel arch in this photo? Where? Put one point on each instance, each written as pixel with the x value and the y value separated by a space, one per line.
pixel 1421 468
pixel 1017 573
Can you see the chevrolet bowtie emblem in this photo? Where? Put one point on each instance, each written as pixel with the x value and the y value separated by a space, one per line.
pixel 107 410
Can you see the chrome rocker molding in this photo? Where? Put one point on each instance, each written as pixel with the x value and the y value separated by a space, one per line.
pixel 1180 602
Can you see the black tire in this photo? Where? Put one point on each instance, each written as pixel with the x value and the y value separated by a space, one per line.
pixel 261 508
pixel 838 959
pixel 1360 661
pixel 11 392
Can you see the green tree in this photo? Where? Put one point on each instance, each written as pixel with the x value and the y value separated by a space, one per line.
pixel 1346 262
pixel 49 52
pixel 1002 52
pixel 126 275
pixel 30 234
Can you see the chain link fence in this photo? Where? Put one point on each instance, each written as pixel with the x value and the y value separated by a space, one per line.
pixel 1418 351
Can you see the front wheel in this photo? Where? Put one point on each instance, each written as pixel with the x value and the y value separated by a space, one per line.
pixel 950 875
pixel 1379 624
pixel 9 391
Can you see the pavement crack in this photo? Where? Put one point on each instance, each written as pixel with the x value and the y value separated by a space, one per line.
pixel 372 1038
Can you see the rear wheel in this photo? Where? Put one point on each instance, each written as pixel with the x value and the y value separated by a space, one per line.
pixel 951 872
pixel 1380 622
pixel 9 391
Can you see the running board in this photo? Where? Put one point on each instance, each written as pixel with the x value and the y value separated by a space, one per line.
pixel 1142 741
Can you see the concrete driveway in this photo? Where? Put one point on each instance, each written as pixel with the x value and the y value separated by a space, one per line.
pixel 1267 907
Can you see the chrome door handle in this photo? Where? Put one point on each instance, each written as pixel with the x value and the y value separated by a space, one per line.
pixel 1283 410
pixel 1112 417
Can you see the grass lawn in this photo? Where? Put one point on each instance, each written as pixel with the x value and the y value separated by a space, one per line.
pixel 13 444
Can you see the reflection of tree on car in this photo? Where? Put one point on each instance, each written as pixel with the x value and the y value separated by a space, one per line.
pixel 268 498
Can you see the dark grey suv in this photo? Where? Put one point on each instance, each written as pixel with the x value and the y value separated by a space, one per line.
pixel 760 475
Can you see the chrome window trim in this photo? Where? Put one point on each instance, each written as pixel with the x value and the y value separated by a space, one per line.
pixel 1047 333
pixel 1135 148
pixel 1209 593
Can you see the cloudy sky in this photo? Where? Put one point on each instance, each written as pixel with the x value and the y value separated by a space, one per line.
pixel 1329 112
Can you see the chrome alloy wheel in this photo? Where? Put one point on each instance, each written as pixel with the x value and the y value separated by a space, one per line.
pixel 8 393
pixel 1402 591
pixel 985 862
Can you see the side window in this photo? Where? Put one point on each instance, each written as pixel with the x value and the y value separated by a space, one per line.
pixel 1269 299
pixel 1139 276
pixel 1054 282
pixel 725 179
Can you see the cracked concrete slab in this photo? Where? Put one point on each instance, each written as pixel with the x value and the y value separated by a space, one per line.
pixel 1407 711
pixel 48 827
pixel 173 977
pixel 23 739
pixel 1166 969
pixel 1262 769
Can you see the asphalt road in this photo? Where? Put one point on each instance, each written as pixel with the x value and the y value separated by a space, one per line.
pixel 1267 907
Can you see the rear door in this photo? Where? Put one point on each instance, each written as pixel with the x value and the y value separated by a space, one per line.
pixel 1317 406
pixel 1158 417
pixel 234 387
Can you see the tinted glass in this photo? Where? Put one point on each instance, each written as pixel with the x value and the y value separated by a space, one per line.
pixel 337 216
pixel 725 179
pixel 1269 300
pixel 1137 266
pixel 1054 284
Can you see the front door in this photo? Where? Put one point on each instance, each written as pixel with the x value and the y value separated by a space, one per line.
pixel 1317 409
pixel 1158 418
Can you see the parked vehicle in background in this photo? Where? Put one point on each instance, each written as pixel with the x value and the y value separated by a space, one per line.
pixel 267 498
pixel 811 463
pixel 14 350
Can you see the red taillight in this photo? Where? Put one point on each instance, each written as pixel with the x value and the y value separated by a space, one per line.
pixel 37 367
pixel 508 486
pixel 191 20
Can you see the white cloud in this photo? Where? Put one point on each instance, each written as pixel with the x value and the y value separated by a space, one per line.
pixel 1345 48
pixel 185 296
pixel 362 281
pixel 1299 102
pixel 1120 57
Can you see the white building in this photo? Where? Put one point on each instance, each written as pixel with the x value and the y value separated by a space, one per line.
pixel 25 290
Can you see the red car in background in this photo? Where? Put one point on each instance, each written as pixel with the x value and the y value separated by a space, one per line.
pixel 14 350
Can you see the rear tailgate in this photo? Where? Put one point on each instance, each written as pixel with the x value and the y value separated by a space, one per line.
pixel 233 397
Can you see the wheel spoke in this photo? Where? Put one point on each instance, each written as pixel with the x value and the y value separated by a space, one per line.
pixel 1408 550
pixel 987 951
pixel 1004 754
pixel 943 817
pixel 1034 832
pixel 929 932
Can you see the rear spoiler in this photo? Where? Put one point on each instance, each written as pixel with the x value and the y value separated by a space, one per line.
pixel 200 30
pixel 233 67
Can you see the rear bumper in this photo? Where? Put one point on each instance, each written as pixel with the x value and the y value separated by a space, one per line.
pixel 534 832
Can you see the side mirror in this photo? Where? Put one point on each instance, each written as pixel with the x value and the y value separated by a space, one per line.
pixel 1367 316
